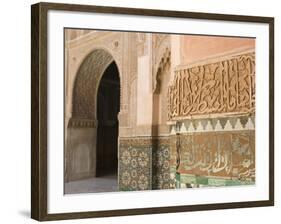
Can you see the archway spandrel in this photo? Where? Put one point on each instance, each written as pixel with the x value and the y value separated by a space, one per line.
pixel 108 41
pixel 86 84
pixel 81 49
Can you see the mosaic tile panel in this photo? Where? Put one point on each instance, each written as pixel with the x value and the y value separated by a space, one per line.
pixel 144 163
pixel 135 159
pixel 161 165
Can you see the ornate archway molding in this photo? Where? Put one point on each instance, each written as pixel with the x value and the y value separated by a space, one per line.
pixel 82 125
pixel 86 84
pixel 164 64
pixel 77 52
pixel 161 44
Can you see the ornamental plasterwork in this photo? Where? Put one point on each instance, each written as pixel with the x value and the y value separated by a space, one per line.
pixel 119 45
pixel 160 56
pixel 86 84
pixel 158 39
pixel 133 56
pixel 142 44
pixel 163 66
pixel 108 41
pixel 224 87
pixel 127 116
pixel 133 103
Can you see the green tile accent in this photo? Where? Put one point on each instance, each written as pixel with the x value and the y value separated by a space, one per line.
pixel 210 181
pixel 216 182
pixel 202 180
pixel 190 179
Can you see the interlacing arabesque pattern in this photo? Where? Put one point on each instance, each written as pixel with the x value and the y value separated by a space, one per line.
pixel 134 168
pixel 144 163
pixel 161 167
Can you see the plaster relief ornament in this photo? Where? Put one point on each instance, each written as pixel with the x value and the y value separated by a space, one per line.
pixel 224 87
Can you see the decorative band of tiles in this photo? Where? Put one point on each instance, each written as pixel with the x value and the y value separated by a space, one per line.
pixel 143 141
pixel 192 181
pixel 215 125
pixel 82 123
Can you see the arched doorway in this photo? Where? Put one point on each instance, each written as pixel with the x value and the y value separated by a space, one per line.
pixel 92 130
pixel 108 107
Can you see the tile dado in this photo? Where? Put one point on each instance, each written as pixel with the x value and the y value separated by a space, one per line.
pixel 144 163
pixel 161 167
pixel 206 159
pixel 134 167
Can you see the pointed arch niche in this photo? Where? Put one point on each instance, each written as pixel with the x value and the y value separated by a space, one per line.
pixel 161 82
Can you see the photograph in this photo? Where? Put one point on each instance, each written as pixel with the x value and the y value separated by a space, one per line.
pixel 157 111
pixel 138 111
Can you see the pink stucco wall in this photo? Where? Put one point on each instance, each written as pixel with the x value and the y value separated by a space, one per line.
pixel 195 48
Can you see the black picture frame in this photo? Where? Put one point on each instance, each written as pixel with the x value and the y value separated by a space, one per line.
pixel 39 105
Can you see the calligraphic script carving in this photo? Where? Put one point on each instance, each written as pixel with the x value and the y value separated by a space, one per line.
pixel 219 154
pixel 226 86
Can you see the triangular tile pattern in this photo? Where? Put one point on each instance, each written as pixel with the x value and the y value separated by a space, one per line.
pixel 191 128
pixel 183 128
pixel 238 126
pixel 218 126
pixel 200 127
pixel 209 126
pixel 249 125
pixel 173 131
pixel 230 125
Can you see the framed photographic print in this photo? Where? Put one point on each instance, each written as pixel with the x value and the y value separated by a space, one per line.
pixel 138 111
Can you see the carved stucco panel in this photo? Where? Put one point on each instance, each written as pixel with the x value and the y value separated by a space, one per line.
pixel 223 87
pixel 127 112
pixel 86 84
